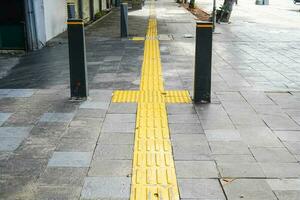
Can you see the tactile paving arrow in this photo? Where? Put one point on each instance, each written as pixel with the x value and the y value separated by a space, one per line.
pixel 153 171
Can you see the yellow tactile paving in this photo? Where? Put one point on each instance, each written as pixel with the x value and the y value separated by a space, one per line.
pixel 153 171
pixel 171 96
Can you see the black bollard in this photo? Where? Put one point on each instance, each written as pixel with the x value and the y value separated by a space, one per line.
pixel 203 56
pixel 77 59
pixel 124 20
pixel 117 3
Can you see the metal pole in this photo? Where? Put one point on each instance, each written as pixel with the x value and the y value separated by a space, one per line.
pixel 124 19
pixel 202 76
pixel 77 59
pixel 214 15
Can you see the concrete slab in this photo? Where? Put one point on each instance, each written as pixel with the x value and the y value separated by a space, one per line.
pixel 223 135
pixel 248 189
pixel 280 155
pixel 111 168
pixel 57 117
pixel 70 159
pixel 113 152
pixel 196 169
pixel 200 189
pixel 281 170
pixel 240 170
pixel 106 187
pixel 94 105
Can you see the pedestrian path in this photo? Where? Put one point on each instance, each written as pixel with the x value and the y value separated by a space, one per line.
pixel 139 136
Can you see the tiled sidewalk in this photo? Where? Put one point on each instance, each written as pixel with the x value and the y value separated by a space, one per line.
pixel 245 145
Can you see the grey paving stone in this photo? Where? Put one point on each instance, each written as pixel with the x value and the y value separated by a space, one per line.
pixel 16 132
pixel 31 151
pixel 196 169
pixel 23 167
pixel 240 119
pixel 4 117
pixel 272 155
pixel 120 118
pixel 231 147
pixel 82 133
pixel 208 189
pixel 76 145
pixel 112 168
pixel 288 195
pixel 10 143
pixel 54 176
pixel 288 135
pixel 183 118
pixel 278 123
pixel 293 147
pixel 180 109
pixel 57 192
pixel 217 123
pixel 94 105
pixel 233 158
pixel 240 170
pixel 122 108
pixel 116 138
pixel 106 188
pixel 192 152
pixel 12 137
pixel 223 135
pixel 57 117
pixel 113 58
pixel 259 137
pixel 90 113
pixel 86 122
pixel 284 184
pixel 70 159
pixel 281 170
pixel 230 96
pixel 188 139
pixel 101 95
pixel 113 152
pixel 185 128
pixel 252 189
pixel 19 93
pixel 112 127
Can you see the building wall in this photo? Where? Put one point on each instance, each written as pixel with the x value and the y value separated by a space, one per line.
pixel 104 5
pixel 86 10
pixel 38 23
pixel 96 6
pixel 55 17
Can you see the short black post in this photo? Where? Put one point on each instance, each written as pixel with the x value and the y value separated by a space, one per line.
pixel 71 11
pixel 203 56
pixel 77 59
pixel 117 3
pixel 124 20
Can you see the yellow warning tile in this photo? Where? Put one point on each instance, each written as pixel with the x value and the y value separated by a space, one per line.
pixel 175 96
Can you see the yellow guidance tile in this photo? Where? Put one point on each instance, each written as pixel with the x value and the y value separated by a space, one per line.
pixel 153 171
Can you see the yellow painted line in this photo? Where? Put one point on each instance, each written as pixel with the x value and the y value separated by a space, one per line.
pixel 153 170
pixel 205 26
pixel 75 23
